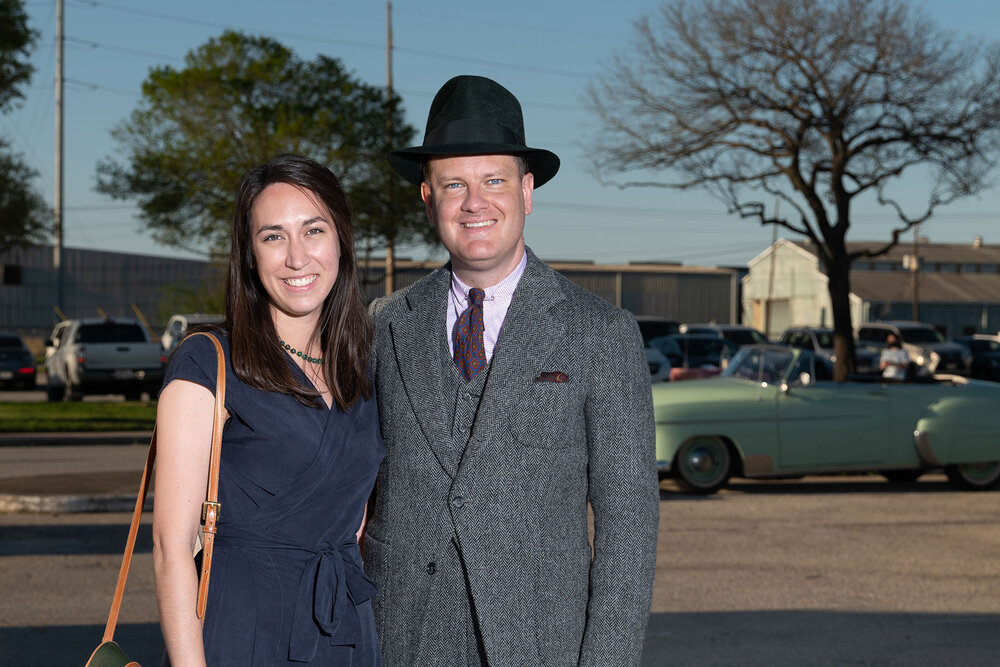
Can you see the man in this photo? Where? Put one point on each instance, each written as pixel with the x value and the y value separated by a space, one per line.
pixel 508 398
pixel 894 360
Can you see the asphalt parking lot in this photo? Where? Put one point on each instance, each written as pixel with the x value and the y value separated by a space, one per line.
pixel 822 571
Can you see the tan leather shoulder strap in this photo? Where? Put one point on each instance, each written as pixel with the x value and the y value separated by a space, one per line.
pixel 210 509
pixel 116 602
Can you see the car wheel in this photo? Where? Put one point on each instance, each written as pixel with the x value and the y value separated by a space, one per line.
pixel 74 392
pixel 702 465
pixel 974 476
pixel 902 476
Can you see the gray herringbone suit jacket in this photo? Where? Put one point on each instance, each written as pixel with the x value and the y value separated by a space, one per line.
pixel 514 501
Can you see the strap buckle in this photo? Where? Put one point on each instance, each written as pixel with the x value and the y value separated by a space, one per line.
pixel 210 512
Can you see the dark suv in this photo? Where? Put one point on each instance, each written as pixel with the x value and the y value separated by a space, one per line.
pixel 17 365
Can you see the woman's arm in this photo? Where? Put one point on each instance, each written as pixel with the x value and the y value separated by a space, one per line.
pixel 183 443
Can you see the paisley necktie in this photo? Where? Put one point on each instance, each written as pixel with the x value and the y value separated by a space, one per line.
pixel 470 353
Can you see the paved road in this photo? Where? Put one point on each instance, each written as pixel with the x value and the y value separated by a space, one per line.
pixel 38 396
pixel 823 571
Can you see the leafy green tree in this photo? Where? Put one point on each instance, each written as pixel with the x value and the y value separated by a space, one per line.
pixel 806 102
pixel 207 296
pixel 239 101
pixel 24 215
pixel 16 42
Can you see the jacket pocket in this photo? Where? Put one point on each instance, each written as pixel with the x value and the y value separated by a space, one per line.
pixel 550 415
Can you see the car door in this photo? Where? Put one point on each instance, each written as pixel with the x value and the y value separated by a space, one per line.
pixel 824 424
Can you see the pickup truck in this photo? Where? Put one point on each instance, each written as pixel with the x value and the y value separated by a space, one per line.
pixel 102 356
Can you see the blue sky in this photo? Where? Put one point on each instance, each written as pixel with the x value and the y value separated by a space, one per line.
pixel 545 52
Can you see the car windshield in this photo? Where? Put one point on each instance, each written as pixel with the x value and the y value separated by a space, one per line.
pixel 651 329
pixel 111 333
pixel 703 347
pixel 824 339
pixel 744 336
pixel 982 345
pixel 10 343
pixel 921 335
pixel 759 364
pixel 666 344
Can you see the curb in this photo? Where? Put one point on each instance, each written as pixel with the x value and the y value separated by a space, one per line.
pixel 46 504
pixel 96 438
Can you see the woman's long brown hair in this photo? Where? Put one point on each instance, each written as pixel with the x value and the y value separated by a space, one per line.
pixel 344 328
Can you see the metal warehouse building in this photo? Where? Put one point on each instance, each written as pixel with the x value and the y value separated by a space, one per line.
pixel 100 283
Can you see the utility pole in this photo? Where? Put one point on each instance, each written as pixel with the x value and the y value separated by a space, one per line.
pixel 770 276
pixel 57 206
pixel 390 250
pixel 915 272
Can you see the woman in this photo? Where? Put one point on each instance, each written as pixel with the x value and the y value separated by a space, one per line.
pixel 300 448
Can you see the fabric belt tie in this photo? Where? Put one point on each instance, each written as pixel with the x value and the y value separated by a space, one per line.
pixel 331 588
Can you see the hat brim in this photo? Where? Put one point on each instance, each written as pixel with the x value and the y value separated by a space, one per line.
pixel 408 162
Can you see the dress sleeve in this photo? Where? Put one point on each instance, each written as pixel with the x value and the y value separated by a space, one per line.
pixel 193 360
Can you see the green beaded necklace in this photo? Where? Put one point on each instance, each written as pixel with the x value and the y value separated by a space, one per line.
pixel 311 360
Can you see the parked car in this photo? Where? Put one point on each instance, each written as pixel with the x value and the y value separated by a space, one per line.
pixel 109 356
pixel 775 412
pixel 659 365
pixel 985 353
pixel 178 325
pixel 52 342
pixel 17 364
pixel 928 349
pixel 819 340
pixel 694 356
pixel 653 327
pixel 737 333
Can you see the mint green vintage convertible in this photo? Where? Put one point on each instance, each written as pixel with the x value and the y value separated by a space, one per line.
pixel 775 412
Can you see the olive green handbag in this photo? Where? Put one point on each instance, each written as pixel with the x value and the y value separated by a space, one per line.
pixel 109 654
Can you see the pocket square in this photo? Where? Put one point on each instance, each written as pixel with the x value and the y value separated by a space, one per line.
pixel 552 376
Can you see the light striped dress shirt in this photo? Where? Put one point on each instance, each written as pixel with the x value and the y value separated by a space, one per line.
pixel 495 305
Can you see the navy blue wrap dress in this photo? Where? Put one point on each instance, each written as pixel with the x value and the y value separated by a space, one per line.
pixel 287 582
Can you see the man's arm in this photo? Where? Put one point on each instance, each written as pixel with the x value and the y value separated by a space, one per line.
pixel 625 497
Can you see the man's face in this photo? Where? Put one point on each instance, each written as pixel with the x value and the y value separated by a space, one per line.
pixel 478 204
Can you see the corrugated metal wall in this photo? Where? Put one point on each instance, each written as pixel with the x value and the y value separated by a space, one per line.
pixel 93 280
pixel 112 282
pixel 684 296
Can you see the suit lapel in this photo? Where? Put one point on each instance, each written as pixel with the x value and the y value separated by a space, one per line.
pixel 531 333
pixel 417 340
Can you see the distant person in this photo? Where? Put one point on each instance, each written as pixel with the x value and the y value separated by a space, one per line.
pixel 894 360
pixel 510 399
pixel 300 448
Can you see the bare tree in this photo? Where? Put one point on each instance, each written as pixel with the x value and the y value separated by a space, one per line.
pixel 813 103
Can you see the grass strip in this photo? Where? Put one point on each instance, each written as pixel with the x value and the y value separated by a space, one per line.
pixel 85 417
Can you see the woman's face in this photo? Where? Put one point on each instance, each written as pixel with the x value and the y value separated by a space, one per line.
pixel 296 250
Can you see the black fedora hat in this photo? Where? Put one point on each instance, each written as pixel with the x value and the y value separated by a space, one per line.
pixel 473 115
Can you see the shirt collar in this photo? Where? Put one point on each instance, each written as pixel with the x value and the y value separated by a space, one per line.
pixel 503 289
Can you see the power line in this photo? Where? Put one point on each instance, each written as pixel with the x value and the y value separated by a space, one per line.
pixel 119 49
pixel 326 40
pixel 98 87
